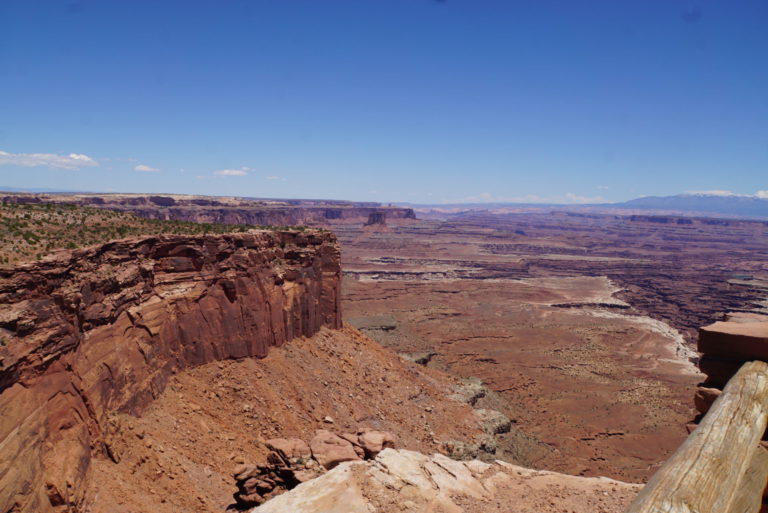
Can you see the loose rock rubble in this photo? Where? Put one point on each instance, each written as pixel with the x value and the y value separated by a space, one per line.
pixel 292 461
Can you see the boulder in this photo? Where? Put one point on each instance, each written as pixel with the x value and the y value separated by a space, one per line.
pixel 493 422
pixel 735 340
pixel 245 472
pixel 329 450
pixel 290 449
pixel 373 442
pixel 704 398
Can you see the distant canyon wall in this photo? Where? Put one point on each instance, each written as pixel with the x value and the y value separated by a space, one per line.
pixel 225 210
pixel 276 216
pixel 101 330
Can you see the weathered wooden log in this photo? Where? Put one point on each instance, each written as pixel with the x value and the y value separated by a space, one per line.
pixel 753 484
pixel 721 465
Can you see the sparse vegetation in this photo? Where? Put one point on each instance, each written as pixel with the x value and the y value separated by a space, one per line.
pixel 30 231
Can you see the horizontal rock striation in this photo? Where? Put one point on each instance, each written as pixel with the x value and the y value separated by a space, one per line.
pixel 100 330
pixel 725 346
pixel 273 216
pixel 226 210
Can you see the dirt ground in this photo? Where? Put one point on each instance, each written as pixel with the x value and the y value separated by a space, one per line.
pixel 180 454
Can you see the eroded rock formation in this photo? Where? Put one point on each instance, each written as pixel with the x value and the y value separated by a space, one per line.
pixel 407 481
pixel 377 217
pixel 227 210
pixel 292 462
pixel 101 330
pixel 725 346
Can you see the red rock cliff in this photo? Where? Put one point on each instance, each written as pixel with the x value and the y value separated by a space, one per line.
pixel 101 330
pixel 225 210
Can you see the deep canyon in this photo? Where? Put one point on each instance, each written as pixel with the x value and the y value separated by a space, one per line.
pixel 129 383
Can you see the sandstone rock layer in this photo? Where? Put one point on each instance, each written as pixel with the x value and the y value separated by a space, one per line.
pixel 229 210
pixel 409 482
pixel 725 346
pixel 101 330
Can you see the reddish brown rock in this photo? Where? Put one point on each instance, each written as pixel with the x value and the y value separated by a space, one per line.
pixel 349 437
pixel 378 217
pixel 102 329
pixel 735 340
pixel 718 371
pixel 352 438
pixel 245 472
pixel 373 442
pixel 704 398
pixel 227 210
pixel 290 449
pixel 329 450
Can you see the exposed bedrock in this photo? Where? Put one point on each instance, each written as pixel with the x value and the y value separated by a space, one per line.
pixel 725 346
pixel 210 209
pixel 410 482
pixel 101 330
pixel 275 216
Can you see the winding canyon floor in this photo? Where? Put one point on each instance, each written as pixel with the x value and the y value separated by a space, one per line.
pixel 583 326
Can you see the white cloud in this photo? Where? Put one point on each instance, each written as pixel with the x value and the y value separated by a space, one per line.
pixel 759 194
pixel 717 192
pixel 50 160
pixel 232 172
pixel 487 197
pixel 602 187
pixel 575 198
pixel 146 169
pixel 273 178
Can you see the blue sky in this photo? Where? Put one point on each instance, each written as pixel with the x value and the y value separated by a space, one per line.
pixel 386 100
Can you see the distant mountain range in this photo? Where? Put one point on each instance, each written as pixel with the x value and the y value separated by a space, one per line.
pixel 732 205
pixel 701 204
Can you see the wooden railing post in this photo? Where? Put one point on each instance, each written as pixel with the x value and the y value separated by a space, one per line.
pixel 721 467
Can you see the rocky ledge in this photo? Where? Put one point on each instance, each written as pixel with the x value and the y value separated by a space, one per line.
pixel 410 482
pixel 100 330
pixel 725 346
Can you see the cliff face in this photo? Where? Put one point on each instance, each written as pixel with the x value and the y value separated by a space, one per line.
pixel 226 210
pixel 725 346
pixel 101 330
pixel 274 216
